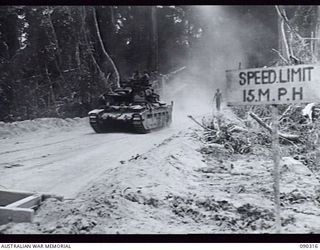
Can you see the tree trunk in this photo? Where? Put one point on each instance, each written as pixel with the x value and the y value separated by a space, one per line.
pixel 58 54
pixel 51 95
pixel 54 36
pixel 101 74
pixel 316 46
pixel 283 42
pixel 155 50
pixel 105 54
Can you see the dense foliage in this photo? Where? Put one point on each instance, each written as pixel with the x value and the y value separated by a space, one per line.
pixel 52 63
pixel 56 60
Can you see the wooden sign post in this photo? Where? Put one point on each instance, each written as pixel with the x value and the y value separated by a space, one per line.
pixel 276 170
pixel 276 85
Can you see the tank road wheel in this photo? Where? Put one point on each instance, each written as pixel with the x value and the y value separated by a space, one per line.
pixel 139 128
pixel 137 124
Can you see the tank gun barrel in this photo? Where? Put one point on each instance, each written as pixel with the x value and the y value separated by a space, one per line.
pixel 173 73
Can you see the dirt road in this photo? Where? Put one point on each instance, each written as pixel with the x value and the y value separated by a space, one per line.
pixel 66 162
pixel 177 184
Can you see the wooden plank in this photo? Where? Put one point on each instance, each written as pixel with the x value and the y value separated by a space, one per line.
pixel 15 215
pixel 9 196
pixel 28 202
pixel 276 172
pixel 274 85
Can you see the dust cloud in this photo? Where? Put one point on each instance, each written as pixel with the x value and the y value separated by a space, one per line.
pixel 217 50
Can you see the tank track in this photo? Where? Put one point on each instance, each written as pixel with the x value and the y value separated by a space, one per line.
pixel 139 128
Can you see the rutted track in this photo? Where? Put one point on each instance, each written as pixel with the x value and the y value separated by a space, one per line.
pixel 67 162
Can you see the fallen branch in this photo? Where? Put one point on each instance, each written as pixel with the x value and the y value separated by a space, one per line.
pixel 282 135
pixel 285 112
pixel 262 123
pixel 291 142
pixel 236 129
pixel 190 116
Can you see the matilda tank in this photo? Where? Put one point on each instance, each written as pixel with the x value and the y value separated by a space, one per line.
pixel 134 107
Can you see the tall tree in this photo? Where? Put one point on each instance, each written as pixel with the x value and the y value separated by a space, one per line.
pixel 106 56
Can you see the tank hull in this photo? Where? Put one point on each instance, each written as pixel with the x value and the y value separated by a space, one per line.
pixel 142 121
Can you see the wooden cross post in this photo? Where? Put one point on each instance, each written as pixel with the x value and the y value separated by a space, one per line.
pixel 276 172
pixel 266 86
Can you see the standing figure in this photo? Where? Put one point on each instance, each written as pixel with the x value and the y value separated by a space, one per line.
pixel 136 75
pixel 145 79
pixel 218 98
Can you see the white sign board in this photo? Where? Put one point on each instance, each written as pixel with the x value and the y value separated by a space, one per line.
pixel 276 85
